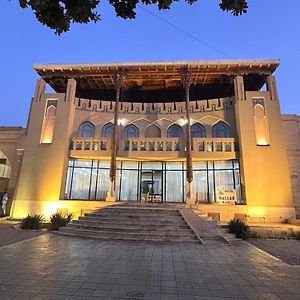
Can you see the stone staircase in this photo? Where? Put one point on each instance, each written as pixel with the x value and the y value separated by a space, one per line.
pixel 132 222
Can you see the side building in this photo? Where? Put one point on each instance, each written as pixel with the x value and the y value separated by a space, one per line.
pixel 203 133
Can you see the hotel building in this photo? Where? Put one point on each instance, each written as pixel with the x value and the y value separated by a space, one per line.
pixel 208 134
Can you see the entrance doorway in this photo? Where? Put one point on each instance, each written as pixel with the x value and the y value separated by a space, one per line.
pixel 151 186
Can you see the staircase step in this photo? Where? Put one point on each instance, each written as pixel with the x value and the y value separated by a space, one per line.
pixel 136 235
pixel 128 229
pixel 127 239
pixel 134 225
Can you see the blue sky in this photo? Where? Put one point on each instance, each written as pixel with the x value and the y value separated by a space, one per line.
pixel 268 30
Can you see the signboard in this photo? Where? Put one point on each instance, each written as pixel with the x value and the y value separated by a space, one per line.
pixel 226 196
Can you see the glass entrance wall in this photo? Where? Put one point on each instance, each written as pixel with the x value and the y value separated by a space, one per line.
pixel 159 181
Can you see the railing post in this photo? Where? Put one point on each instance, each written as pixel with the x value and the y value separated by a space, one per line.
pixel 110 196
pixel 186 82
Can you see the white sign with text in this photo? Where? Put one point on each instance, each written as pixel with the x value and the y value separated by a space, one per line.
pixel 226 196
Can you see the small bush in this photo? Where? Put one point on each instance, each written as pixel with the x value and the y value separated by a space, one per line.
pixel 58 220
pixel 240 228
pixel 32 222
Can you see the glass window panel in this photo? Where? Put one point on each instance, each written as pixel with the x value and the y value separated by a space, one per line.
pixel 237 180
pixel 174 186
pixel 211 188
pixel 200 186
pixel 199 165
pixel 104 164
pixel 151 165
pixel 118 180
pixel 224 180
pixel 130 165
pixel 174 165
pixel 86 129
pixel 226 164
pixel 81 183
pixel 107 130
pixel 87 145
pixel 236 164
pixel 129 185
pixel 71 162
pixel 93 185
pixel 174 131
pixel 210 164
pixel 68 183
pixel 83 163
pixel 221 130
pixel 102 184
pixel 131 131
pixel 198 131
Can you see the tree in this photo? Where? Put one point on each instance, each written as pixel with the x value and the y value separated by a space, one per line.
pixel 59 14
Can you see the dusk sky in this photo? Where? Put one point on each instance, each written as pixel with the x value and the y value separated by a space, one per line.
pixel 270 29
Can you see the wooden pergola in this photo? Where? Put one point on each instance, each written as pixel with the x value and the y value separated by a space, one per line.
pixel 158 81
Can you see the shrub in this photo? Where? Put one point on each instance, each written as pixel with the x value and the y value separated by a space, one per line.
pixel 239 227
pixel 58 220
pixel 32 222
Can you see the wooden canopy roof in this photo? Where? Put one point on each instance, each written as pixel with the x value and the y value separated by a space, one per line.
pixel 157 81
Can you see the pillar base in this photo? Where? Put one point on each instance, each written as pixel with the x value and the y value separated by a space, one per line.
pixel 110 196
pixel 190 197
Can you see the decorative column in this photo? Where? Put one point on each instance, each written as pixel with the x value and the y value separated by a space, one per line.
pixel 272 87
pixel 39 89
pixel 118 80
pixel 190 196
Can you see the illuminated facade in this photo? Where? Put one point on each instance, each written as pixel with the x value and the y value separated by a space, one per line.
pixel 203 133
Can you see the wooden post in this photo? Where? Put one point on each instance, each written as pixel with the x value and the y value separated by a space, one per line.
pixel 190 196
pixel 118 80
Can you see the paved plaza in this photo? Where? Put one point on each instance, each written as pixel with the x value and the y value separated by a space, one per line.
pixel 57 267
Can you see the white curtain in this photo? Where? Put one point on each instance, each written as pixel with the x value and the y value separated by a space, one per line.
pixel 129 185
pixel 200 185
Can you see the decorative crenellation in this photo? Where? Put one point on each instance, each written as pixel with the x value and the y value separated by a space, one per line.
pixel 155 108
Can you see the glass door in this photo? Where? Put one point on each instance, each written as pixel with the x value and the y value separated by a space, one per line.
pixel 151 186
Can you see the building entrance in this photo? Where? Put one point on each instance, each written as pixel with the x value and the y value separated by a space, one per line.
pixel 151 186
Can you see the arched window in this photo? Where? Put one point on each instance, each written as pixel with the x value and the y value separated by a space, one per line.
pixel 198 131
pixel 131 131
pixel 107 130
pixel 174 131
pixel 153 131
pixel 86 129
pixel 221 130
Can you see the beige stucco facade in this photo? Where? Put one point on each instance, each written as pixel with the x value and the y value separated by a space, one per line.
pixel 261 144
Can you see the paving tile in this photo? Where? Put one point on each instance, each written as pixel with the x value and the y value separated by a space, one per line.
pixel 72 268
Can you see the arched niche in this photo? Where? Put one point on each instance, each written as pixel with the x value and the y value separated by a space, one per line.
pixel 153 131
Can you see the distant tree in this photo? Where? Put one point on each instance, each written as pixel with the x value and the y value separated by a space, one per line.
pixel 59 14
